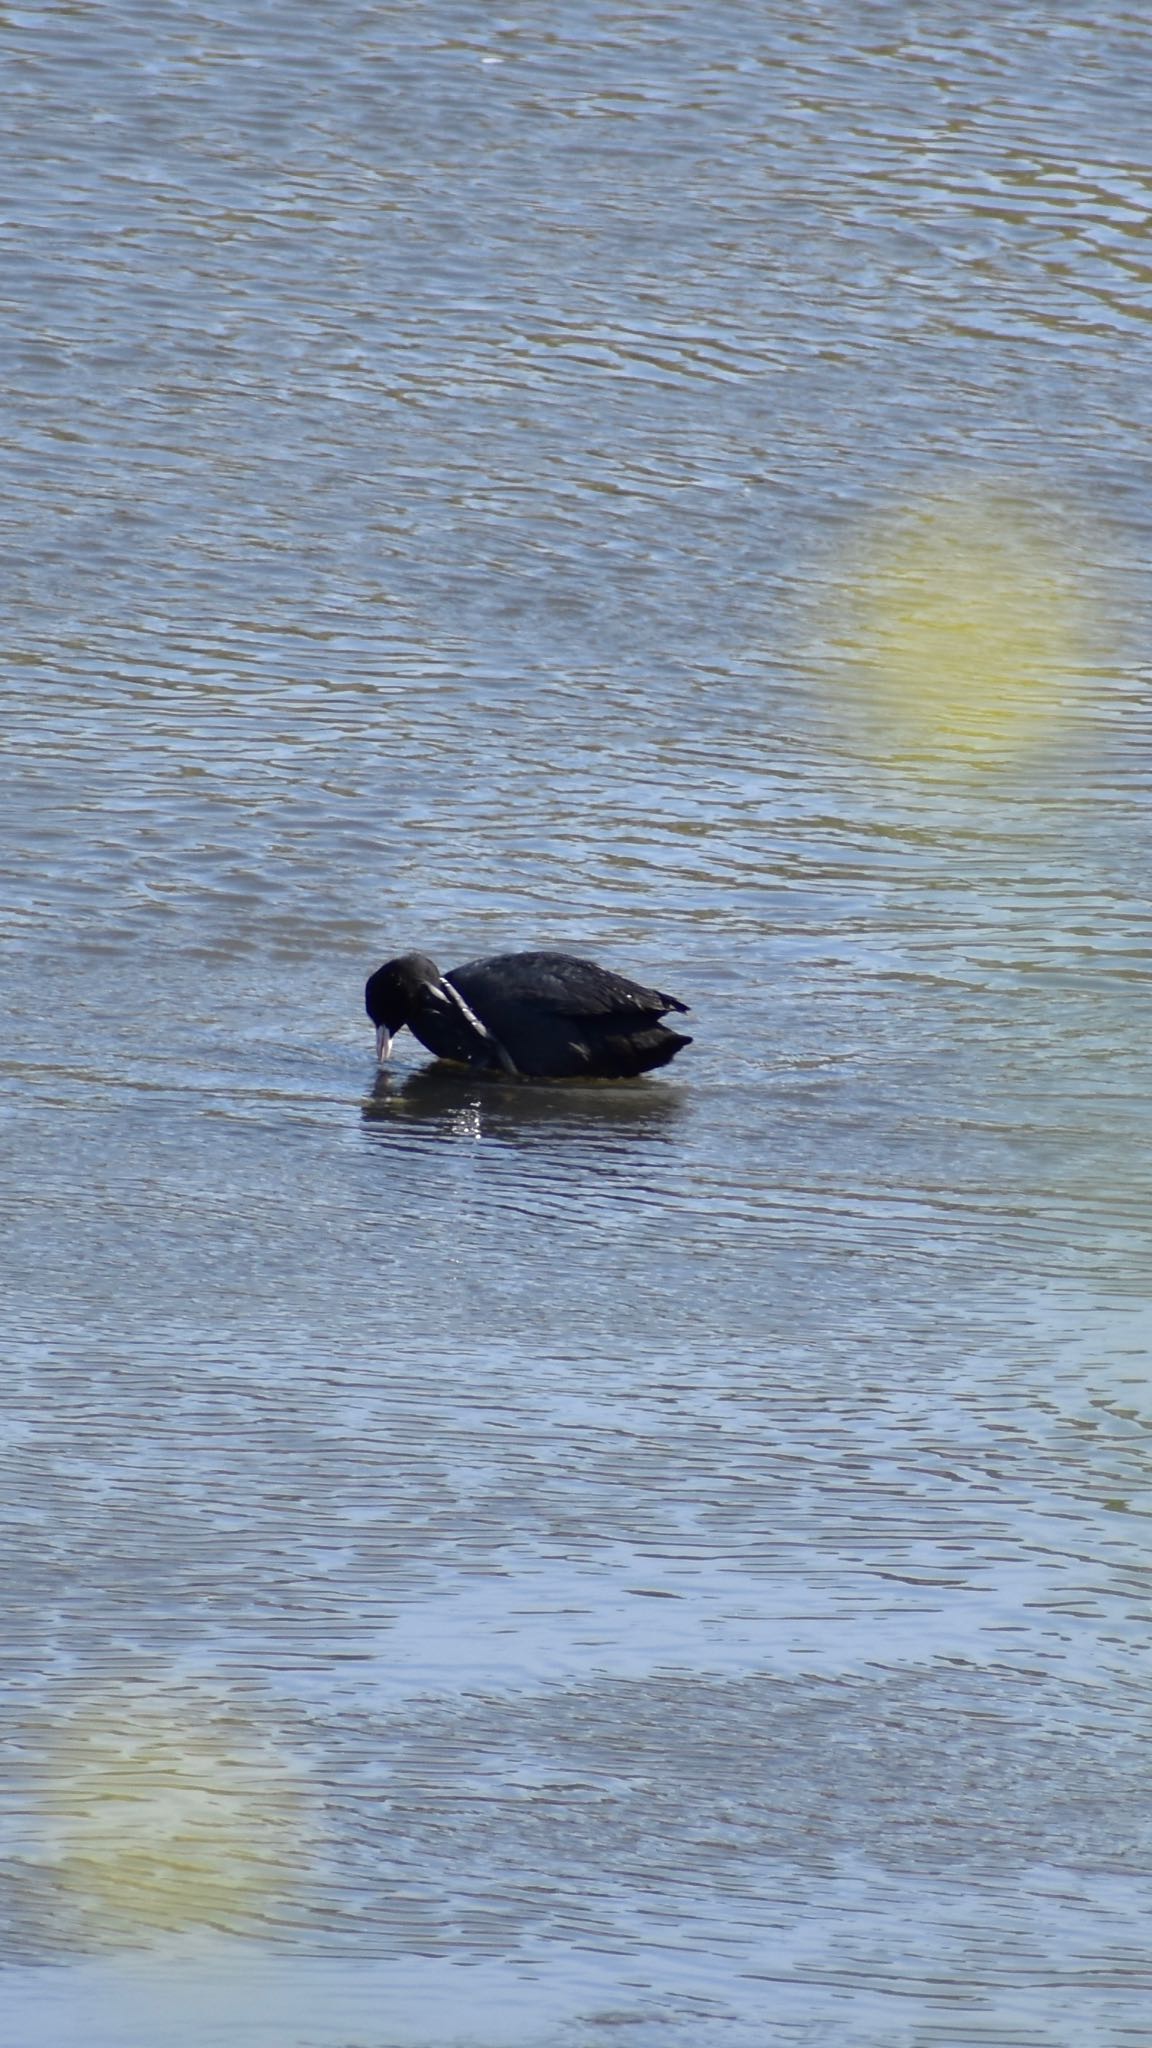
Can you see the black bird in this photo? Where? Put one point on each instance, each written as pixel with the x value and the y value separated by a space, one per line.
pixel 548 1015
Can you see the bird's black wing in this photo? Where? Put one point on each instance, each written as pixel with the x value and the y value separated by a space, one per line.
pixel 556 982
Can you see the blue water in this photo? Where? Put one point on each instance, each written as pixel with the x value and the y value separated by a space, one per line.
pixel 535 1566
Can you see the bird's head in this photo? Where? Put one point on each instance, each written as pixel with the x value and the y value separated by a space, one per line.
pixel 392 993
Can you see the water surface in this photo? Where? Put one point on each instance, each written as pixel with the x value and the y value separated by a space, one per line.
pixel 541 1565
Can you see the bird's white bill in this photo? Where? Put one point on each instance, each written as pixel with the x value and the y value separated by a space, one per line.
pixel 383 1044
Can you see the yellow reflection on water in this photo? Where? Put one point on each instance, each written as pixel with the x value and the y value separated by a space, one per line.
pixel 969 626
pixel 170 1813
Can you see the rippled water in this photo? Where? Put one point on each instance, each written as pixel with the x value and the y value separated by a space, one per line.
pixel 546 1565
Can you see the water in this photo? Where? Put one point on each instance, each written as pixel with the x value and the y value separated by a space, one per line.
pixel 547 1565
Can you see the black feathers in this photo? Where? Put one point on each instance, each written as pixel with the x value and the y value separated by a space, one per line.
pixel 547 1015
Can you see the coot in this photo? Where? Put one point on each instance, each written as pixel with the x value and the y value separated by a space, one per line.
pixel 548 1015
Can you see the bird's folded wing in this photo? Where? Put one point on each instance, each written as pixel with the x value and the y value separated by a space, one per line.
pixel 559 982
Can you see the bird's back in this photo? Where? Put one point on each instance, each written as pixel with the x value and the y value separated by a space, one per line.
pixel 558 1015
pixel 561 982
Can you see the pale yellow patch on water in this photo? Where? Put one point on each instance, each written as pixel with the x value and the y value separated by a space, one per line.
pixel 968 628
pixel 161 1817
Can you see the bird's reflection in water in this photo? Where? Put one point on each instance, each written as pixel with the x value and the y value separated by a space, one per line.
pixel 457 1103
